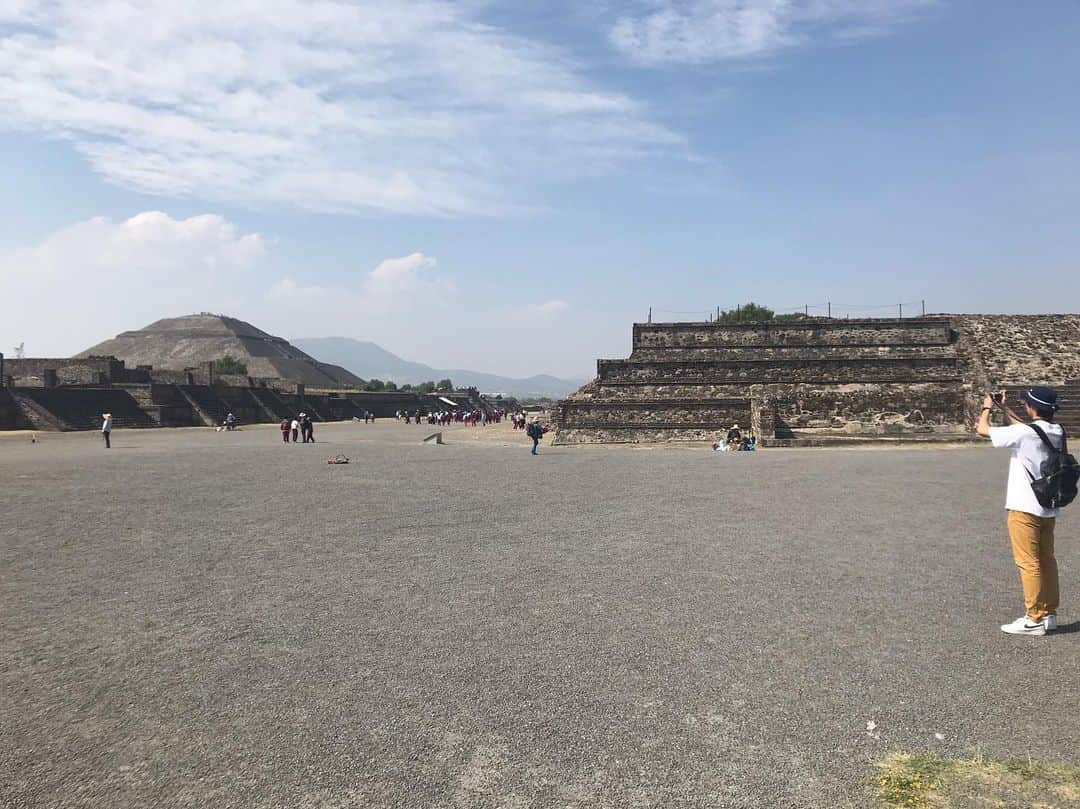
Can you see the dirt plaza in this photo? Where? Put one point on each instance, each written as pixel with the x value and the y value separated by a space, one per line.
pixel 197 619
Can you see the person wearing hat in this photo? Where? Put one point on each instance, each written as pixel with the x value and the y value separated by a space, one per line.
pixel 535 431
pixel 1031 526
pixel 106 428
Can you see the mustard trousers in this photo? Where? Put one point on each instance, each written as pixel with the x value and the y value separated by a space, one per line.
pixel 1033 551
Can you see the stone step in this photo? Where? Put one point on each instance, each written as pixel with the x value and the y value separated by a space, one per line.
pixel 741 354
pixel 798 440
pixel 817 331
pixel 816 372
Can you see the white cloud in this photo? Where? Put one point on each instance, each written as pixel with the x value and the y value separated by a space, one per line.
pixel 547 309
pixel 702 31
pixel 394 287
pixel 91 280
pixel 85 282
pixel 411 106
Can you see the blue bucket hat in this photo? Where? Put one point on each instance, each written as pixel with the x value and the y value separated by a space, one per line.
pixel 1041 398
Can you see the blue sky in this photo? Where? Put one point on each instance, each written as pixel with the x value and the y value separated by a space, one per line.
pixel 476 185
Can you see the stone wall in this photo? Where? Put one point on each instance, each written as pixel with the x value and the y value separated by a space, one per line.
pixel 1020 349
pixel 705 413
pixel 812 332
pixel 33 372
pixel 863 407
pixel 831 371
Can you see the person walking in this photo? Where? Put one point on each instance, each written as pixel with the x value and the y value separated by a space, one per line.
pixel 1030 524
pixel 285 430
pixel 295 429
pixel 106 428
pixel 310 427
pixel 534 431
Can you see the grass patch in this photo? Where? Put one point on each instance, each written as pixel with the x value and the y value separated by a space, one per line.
pixel 922 779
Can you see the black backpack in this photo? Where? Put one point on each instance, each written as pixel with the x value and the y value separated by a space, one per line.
pixel 1060 473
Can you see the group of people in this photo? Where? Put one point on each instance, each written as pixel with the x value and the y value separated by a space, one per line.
pixel 444 418
pixel 301 427
pixel 736 441
pixel 519 420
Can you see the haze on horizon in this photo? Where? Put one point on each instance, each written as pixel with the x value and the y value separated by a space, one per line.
pixel 477 185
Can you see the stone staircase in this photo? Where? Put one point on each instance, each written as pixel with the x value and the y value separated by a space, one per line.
pixel 272 405
pixel 206 404
pixel 1069 414
pixel 79 408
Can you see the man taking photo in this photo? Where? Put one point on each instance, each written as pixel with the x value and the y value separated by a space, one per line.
pixel 1031 525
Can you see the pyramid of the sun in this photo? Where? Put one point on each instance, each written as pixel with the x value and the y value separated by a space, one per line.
pixel 194 340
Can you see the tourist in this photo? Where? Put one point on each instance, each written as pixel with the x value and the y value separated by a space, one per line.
pixel 230 422
pixel 106 428
pixel 285 430
pixel 535 431
pixel 310 425
pixel 1030 524
pixel 295 429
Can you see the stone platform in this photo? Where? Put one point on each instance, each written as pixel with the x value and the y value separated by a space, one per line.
pixel 812 381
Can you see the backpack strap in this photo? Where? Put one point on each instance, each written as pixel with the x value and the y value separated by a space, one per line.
pixel 1046 440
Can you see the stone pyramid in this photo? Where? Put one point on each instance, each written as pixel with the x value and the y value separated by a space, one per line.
pixel 194 340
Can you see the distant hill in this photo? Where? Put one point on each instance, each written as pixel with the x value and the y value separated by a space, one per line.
pixel 193 340
pixel 371 361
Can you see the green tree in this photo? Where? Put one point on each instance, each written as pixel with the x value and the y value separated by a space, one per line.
pixel 426 387
pixel 230 365
pixel 390 385
pixel 444 384
pixel 406 386
pixel 374 385
pixel 747 313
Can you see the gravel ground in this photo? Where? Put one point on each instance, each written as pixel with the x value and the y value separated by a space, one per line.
pixel 196 619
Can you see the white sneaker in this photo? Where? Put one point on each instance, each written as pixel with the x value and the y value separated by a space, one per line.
pixel 1022 626
pixel 1050 622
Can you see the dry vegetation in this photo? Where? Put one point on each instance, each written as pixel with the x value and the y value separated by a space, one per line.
pixel 926 780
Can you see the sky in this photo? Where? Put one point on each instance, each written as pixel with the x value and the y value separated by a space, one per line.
pixel 508 187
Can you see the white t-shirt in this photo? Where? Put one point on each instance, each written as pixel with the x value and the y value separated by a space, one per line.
pixel 106 425
pixel 1028 454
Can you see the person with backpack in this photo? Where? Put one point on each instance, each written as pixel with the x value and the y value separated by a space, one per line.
pixel 1042 479
pixel 535 431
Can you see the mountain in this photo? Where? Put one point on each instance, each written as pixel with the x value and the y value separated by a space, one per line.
pixel 194 340
pixel 371 361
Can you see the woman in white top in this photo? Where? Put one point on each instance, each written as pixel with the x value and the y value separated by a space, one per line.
pixel 106 428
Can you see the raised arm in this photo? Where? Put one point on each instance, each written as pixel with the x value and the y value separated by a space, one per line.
pixel 982 426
